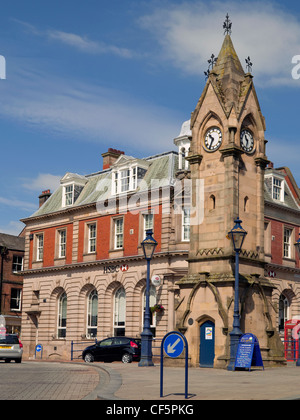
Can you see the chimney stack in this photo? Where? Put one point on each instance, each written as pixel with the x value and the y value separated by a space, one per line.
pixel 44 197
pixel 110 157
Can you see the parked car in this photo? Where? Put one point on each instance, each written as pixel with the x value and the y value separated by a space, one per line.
pixel 112 349
pixel 11 348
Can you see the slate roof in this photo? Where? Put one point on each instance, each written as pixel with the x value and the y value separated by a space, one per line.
pixel 11 242
pixel 161 171
pixel 289 200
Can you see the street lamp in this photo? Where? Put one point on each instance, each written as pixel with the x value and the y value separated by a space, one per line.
pixel 297 246
pixel 149 244
pixel 237 235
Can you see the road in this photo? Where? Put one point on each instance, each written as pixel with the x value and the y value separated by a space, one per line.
pixel 49 381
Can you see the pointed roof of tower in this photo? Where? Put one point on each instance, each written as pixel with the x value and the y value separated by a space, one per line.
pixel 228 62
pixel 231 84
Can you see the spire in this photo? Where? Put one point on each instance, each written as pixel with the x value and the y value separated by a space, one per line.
pixel 227 76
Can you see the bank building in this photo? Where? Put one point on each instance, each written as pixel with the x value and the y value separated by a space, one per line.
pixel 84 268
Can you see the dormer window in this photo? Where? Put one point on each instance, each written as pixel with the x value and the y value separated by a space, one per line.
pixel 71 193
pixel 276 185
pixel 126 178
pixel 277 192
pixel 72 185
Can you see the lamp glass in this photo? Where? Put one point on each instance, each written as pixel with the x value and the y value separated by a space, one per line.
pixel 149 244
pixel 237 235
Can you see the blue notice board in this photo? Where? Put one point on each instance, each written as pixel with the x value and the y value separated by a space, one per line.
pixel 248 353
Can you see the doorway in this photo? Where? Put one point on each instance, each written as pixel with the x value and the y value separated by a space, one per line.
pixel 207 345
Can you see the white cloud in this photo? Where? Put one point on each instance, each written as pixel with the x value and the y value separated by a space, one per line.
pixel 190 32
pixel 84 44
pixel 87 112
pixel 80 42
pixel 42 182
pixel 16 203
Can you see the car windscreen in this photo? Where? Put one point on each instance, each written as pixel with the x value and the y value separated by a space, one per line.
pixel 9 339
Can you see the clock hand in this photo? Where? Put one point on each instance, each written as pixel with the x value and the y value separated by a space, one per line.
pixel 212 140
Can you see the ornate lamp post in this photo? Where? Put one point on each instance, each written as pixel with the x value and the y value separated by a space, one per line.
pixel 237 235
pixel 149 244
pixel 297 246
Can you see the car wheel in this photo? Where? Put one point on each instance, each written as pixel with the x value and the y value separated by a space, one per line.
pixel 7 360
pixel 126 358
pixel 89 358
pixel 18 360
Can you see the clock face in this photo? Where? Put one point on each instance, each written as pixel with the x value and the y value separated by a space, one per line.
pixel 213 139
pixel 247 142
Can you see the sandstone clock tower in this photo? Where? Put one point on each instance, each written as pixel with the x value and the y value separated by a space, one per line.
pixel 227 160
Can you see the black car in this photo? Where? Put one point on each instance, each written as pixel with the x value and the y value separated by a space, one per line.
pixel 112 349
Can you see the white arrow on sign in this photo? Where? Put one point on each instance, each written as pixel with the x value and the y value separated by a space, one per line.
pixel 171 348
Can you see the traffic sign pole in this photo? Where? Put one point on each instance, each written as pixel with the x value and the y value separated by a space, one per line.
pixel 173 344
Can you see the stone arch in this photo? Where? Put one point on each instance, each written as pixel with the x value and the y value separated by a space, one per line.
pixel 210 120
pixel 83 307
pixel 53 303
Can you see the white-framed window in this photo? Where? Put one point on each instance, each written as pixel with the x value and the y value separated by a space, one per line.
pixel 15 299
pixel 126 179
pixel 92 314
pixel 287 236
pixel 62 316
pixel 69 195
pixel 186 216
pixel 39 247
pixel 277 191
pixel 62 242
pixel 92 235
pixel 148 223
pixel 17 264
pixel 120 312
pixel 118 233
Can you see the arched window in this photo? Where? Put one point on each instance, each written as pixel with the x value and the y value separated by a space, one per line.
pixel 152 302
pixel 92 314
pixel 212 202
pixel 120 312
pixel 62 316
pixel 284 306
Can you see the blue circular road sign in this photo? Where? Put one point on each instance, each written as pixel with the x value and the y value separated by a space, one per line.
pixel 173 345
pixel 38 348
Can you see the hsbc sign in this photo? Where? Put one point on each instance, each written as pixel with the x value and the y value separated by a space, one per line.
pixel 115 268
pixel 272 274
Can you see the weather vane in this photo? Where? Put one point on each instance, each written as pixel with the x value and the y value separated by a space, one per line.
pixel 212 61
pixel 227 26
pixel 248 64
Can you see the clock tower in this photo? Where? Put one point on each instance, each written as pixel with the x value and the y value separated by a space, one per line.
pixel 227 162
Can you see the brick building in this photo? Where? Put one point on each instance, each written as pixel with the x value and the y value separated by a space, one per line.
pixel 11 282
pixel 84 271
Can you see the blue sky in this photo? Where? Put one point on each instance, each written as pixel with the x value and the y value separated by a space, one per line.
pixel 85 76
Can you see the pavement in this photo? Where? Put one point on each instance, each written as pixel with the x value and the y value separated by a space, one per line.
pixel 131 382
pixel 117 382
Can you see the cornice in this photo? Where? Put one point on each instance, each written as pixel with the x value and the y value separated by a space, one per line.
pixel 99 263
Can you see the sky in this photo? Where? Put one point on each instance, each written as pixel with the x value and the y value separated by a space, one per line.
pixel 81 77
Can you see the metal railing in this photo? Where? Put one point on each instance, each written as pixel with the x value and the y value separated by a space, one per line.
pixel 78 347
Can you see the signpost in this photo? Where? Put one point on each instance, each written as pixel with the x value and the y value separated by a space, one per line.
pixel 248 353
pixel 173 345
pixel 38 349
